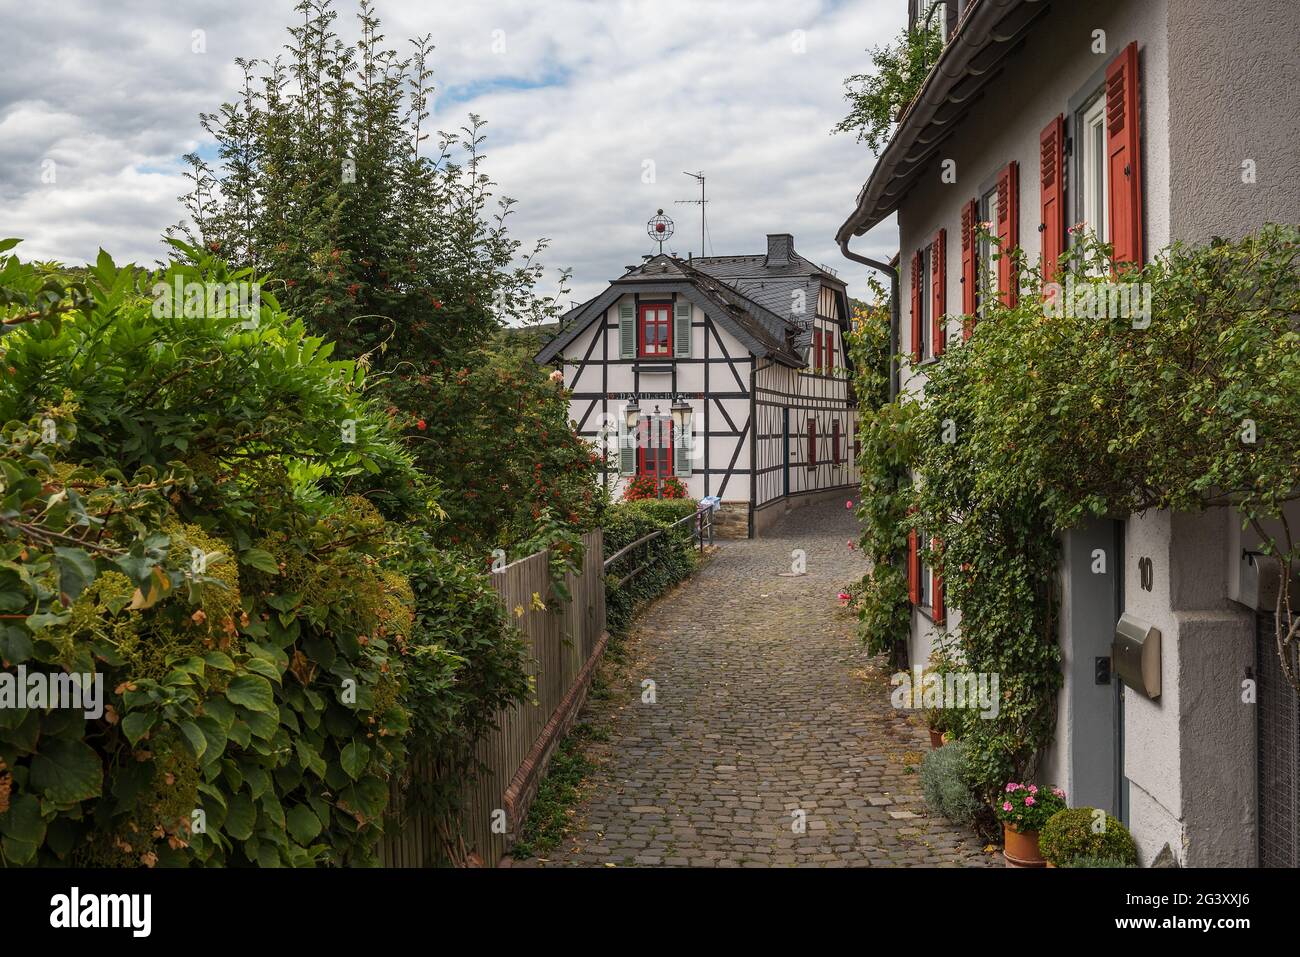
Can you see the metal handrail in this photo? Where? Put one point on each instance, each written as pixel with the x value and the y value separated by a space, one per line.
pixel 703 518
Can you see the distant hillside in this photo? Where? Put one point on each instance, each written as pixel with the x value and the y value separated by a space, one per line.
pixel 529 337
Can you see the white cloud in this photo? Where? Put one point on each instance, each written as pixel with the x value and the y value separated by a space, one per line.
pixel 577 95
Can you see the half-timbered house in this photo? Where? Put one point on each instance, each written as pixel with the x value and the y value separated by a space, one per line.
pixel 729 373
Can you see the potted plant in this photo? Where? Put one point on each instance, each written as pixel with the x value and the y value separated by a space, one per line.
pixel 1085 834
pixel 937 719
pixel 1023 810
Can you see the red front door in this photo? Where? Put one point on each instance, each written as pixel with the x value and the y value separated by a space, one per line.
pixel 654 457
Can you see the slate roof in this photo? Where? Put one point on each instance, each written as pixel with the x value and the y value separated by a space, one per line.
pixel 749 296
pixel 772 284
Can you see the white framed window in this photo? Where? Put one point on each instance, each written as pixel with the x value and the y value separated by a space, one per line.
pixel 1094 174
pixel 926 347
pixel 925 585
pixel 987 277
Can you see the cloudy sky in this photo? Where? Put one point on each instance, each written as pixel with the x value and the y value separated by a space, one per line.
pixel 585 101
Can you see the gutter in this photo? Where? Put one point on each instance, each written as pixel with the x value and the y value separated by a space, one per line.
pixel 894 319
pixel 986 32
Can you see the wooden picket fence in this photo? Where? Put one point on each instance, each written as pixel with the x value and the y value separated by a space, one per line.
pixel 564 642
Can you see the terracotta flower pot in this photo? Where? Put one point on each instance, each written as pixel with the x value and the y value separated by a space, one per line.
pixel 1020 848
pixel 936 739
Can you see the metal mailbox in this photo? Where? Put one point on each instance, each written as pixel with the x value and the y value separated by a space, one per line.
pixel 1136 655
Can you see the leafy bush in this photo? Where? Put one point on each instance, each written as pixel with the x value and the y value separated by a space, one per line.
pixel 392 246
pixel 497 430
pixel 944 784
pixel 887 446
pixel 877 99
pixel 1088 861
pixel 187 514
pixel 1072 834
pixel 663 510
pixel 1027 807
pixel 667 559
pixel 165 529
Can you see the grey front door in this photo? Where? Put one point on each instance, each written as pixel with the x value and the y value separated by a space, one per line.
pixel 1094 564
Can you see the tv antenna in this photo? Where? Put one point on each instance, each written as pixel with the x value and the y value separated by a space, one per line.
pixel 699 177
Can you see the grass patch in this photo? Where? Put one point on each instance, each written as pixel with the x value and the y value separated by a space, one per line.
pixel 548 818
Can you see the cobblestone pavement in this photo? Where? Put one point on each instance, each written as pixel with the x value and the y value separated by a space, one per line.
pixel 766 705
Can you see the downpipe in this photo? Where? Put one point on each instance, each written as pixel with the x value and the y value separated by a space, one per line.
pixel 892 273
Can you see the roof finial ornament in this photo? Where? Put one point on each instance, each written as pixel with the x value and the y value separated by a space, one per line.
pixel 659 228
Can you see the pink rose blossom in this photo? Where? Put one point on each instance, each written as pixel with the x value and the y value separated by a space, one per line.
pixel 848 504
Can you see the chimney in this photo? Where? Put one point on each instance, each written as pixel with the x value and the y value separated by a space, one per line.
pixel 780 249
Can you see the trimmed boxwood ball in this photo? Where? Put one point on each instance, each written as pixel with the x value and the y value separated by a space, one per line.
pixel 1070 835
pixel 1089 861
pixel 943 782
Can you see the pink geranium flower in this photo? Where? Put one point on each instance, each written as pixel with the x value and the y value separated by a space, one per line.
pixel 1033 789
pixel 1029 800
pixel 1006 805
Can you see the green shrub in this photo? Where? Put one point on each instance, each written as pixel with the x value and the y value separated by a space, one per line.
pixel 496 430
pixel 1073 833
pixel 1090 861
pixel 944 784
pixel 666 560
pixel 187 514
pixel 665 511
pixel 470 660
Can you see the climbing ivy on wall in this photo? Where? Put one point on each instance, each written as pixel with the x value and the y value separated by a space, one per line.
pixel 1175 385
pixel 886 450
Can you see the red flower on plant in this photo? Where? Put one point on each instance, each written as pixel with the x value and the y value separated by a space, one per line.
pixel 420 425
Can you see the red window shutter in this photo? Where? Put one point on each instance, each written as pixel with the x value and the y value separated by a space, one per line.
pixel 1051 194
pixel 1008 229
pixel 913 569
pixel 812 441
pixel 817 350
pixel 835 440
pixel 916 306
pixel 939 291
pixel 969 282
pixel 936 601
pixel 1124 156
pixel 828 343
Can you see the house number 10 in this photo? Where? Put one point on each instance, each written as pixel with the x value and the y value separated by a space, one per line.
pixel 1146 573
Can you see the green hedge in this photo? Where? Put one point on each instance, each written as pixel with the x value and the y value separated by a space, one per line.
pixel 672 557
pixel 1072 834
pixel 188 511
